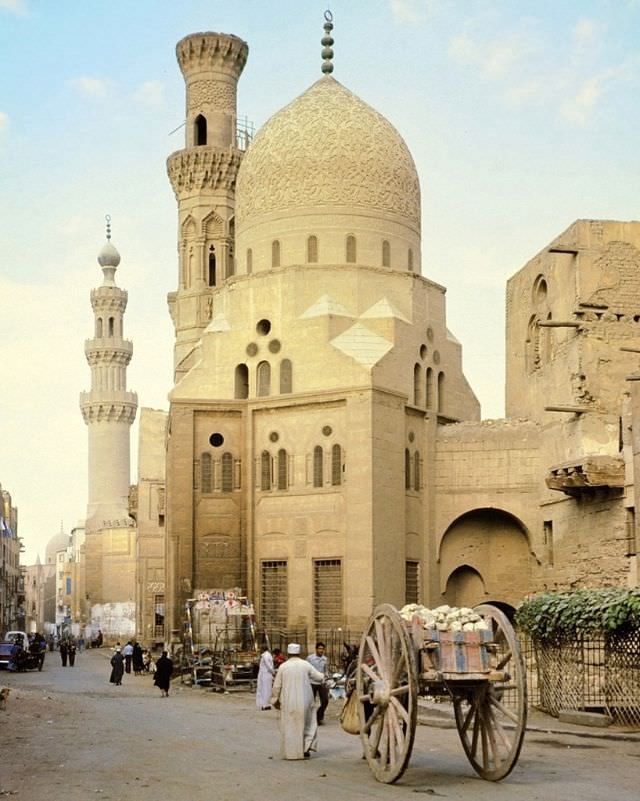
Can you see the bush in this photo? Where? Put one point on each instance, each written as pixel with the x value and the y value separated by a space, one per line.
pixel 557 614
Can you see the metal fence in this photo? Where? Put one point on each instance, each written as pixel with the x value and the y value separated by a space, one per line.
pixel 596 673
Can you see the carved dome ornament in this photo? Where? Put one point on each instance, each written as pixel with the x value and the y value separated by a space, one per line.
pixel 327 148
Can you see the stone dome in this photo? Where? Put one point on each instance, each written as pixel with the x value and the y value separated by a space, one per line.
pixel 325 149
pixel 108 256
pixel 58 542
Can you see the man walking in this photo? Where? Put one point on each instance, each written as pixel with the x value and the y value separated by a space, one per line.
pixel 293 696
pixel 127 652
pixel 320 689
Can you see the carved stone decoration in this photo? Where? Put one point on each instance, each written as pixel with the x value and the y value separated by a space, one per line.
pixel 590 473
pixel 618 268
pixel 328 147
pixel 201 168
pixel 211 92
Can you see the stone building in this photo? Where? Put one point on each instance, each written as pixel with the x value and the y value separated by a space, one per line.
pixel 12 610
pixel 324 450
pixel 108 410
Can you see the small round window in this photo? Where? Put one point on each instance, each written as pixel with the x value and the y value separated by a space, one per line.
pixel 216 440
pixel 263 327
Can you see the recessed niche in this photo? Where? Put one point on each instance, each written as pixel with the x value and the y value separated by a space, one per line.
pixel 252 349
pixel 423 351
pixel 436 357
pixel 274 346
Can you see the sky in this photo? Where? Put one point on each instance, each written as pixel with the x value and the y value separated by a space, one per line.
pixel 521 117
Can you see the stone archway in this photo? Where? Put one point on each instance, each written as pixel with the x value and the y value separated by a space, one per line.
pixel 484 555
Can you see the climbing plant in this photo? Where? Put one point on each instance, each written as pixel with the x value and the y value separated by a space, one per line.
pixel 558 614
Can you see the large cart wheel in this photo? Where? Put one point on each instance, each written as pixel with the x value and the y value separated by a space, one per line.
pixel 491 715
pixel 387 689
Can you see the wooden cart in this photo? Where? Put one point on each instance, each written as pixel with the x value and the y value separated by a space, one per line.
pixel 481 672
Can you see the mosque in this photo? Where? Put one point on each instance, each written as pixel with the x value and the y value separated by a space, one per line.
pixel 323 450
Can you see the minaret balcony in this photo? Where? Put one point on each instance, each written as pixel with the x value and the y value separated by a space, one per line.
pixel 586 475
pixel 108 349
pixel 203 168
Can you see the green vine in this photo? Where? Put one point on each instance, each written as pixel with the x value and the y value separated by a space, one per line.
pixel 552 615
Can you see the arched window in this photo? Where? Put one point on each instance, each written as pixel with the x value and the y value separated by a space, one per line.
pixel 265 471
pixel 263 382
pixel 417 385
pixel 286 377
pixel 231 267
pixel 318 459
pixel 241 382
pixel 416 471
pixel 212 265
pixel 351 249
pixel 249 261
pixel 312 249
pixel 99 327
pixel 275 253
pixel 440 405
pixel 200 130
pixel 336 466
pixel 110 326
pixel 386 254
pixel 410 260
pixel 227 472
pixel 407 469
pixel 282 470
pixel 430 398
pixel 205 470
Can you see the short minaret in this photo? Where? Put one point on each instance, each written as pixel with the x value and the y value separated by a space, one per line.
pixel 108 409
pixel 203 177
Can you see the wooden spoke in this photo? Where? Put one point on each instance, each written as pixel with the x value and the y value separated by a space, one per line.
pixel 387 688
pixel 491 716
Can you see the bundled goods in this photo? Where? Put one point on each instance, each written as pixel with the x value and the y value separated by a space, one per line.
pixel 445 618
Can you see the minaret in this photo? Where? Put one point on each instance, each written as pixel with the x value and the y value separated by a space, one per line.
pixel 108 409
pixel 203 177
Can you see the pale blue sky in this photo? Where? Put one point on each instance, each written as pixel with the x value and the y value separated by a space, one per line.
pixel 521 117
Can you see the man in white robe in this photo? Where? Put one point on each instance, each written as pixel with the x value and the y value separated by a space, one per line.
pixel 293 696
pixel 265 680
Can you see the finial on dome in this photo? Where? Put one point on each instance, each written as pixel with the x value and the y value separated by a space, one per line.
pixel 108 258
pixel 327 42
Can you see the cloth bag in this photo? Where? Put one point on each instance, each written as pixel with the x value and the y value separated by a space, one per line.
pixel 349 719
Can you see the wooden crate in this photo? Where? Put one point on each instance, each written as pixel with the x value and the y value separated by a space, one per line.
pixel 458 651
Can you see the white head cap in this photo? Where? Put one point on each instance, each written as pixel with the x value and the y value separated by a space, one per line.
pixel 293 648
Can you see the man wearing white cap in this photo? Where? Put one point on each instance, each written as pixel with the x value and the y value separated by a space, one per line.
pixel 293 696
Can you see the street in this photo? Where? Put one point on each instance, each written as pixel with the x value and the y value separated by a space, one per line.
pixel 69 735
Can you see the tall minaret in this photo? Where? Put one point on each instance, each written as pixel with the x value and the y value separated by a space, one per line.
pixel 203 177
pixel 108 409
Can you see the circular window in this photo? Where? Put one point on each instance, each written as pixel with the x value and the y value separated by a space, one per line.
pixel 436 357
pixel 327 431
pixel 263 327
pixel 274 436
pixel 252 349
pixel 430 334
pixel 412 436
pixel 423 351
pixel 274 346
pixel 216 440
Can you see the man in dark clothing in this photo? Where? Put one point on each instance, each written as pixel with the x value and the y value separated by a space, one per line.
pixel 117 667
pixel 64 653
pixel 164 669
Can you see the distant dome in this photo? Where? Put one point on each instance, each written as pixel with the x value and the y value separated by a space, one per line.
pixel 108 256
pixel 327 148
pixel 58 542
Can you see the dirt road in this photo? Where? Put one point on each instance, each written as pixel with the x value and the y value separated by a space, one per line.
pixel 68 735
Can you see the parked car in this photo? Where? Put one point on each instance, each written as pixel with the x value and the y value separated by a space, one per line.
pixel 16 653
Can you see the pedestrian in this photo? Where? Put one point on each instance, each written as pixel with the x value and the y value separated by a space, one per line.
pixel 164 669
pixel 51 642
pixel 293 696
pixel 278 658
pixel 71 649
pixel 266 673
pixel 127 652
pixel 146 660
pixel 63 651
pixel 138 664
pixel 320 689
pixel 117 667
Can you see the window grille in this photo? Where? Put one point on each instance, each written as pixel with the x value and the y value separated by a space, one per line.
pixel 327 593
pixel 264 379
pixel 318 459
pixel 227 472
pixel 205 473
pixel 158 607
pixel 416 471
pixel 412 582
pixel 212 266
pixel 336 466
pixel 274 593
pixel 631 531
pixel 282 470
pixel 265 471
pixel 286 377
